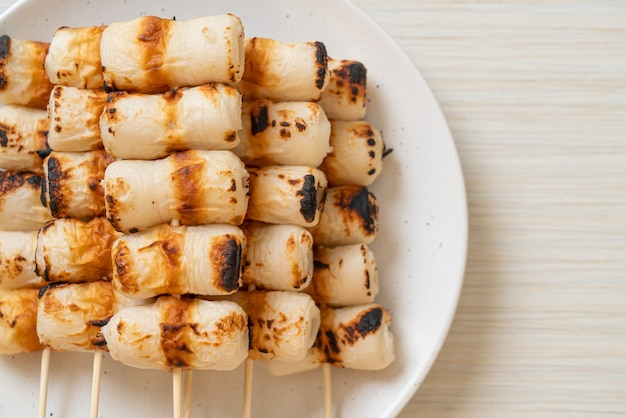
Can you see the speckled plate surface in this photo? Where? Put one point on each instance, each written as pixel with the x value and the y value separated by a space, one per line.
pixel 420 250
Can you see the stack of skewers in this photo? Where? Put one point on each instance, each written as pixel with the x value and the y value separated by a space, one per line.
pixel 208 207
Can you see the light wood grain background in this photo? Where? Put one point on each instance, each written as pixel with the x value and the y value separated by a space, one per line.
pixel 535 95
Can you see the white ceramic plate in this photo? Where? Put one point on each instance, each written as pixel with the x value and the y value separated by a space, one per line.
pixel 421 248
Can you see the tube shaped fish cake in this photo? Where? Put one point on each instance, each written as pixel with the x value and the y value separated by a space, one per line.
pixel 283 325
pixel 286 195
pixel 150 126
pixel 282 71
pixel 279 257
pixel 203 260
pixel 345 96
pixel 69 315
pixel 71 250
pixel 186 333
pixel 344 275
pixel 23 80
pixel 151 55
pixel 74 57
pixel 350 216
pixel 195 187
pixel 18 321
pixel 20 202
pixel 75 119
pixel 72 183
pixel 23 138
pixel 283 133
pixel 357 154
pixel 354 337
pixel 17 260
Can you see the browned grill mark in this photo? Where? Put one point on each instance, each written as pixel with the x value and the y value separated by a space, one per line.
pixel 229 325
pixel 321 60
pixel 259 119
pixel 230 136
pixel 54 182
pixel 153 36
pixel 297 275
pixel 112 211
pixel 225 256
pixel 170 245
pixel 4 140
pixel 357 204
pixel 309 198
pixel 125 269
pixel 13 180
pixel 300 124
pixel 96 167
pixel 367 323
pixel 326 342
pixel 175 141
pixel 167 249
pixel 5 56
pixel 187 180
pixel 173 96
pixel 109 110
pixel 174 339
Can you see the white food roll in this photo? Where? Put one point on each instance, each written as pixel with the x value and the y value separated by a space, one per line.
pixel 283 133
pixel 23 133
pixel 150 126
pixel 283 325
pixel 345 96
pixel 18 321
pixel 282 71
pixel 184 333
pixel 151 55
pixel 69 315
pixel 194 187
pixel 344 275
pixel 71 250
pixel 357 154
pixel 72 183
pixel 17 260
pixel 20 202
pixel 75 119
pixel 350 216
pixel 23 80
pixel 202 260
pixel 286 195
pixel 74 57
pixel 354 337
pixel 279 257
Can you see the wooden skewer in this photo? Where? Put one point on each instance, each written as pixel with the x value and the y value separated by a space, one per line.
pixel 43 382
pixel 328 403
pixel 95 384
pixel 188 383
pixel 247 391
pixel 177 386
pixel 249 368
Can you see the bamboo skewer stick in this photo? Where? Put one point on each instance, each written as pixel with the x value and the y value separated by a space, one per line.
pixel 95 384
pixel 247 391
pixel 43 382
pixel 177 388
pixel 328 403
pixel 248 371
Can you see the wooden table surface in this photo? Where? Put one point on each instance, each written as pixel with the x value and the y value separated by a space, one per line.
pixel 535 95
